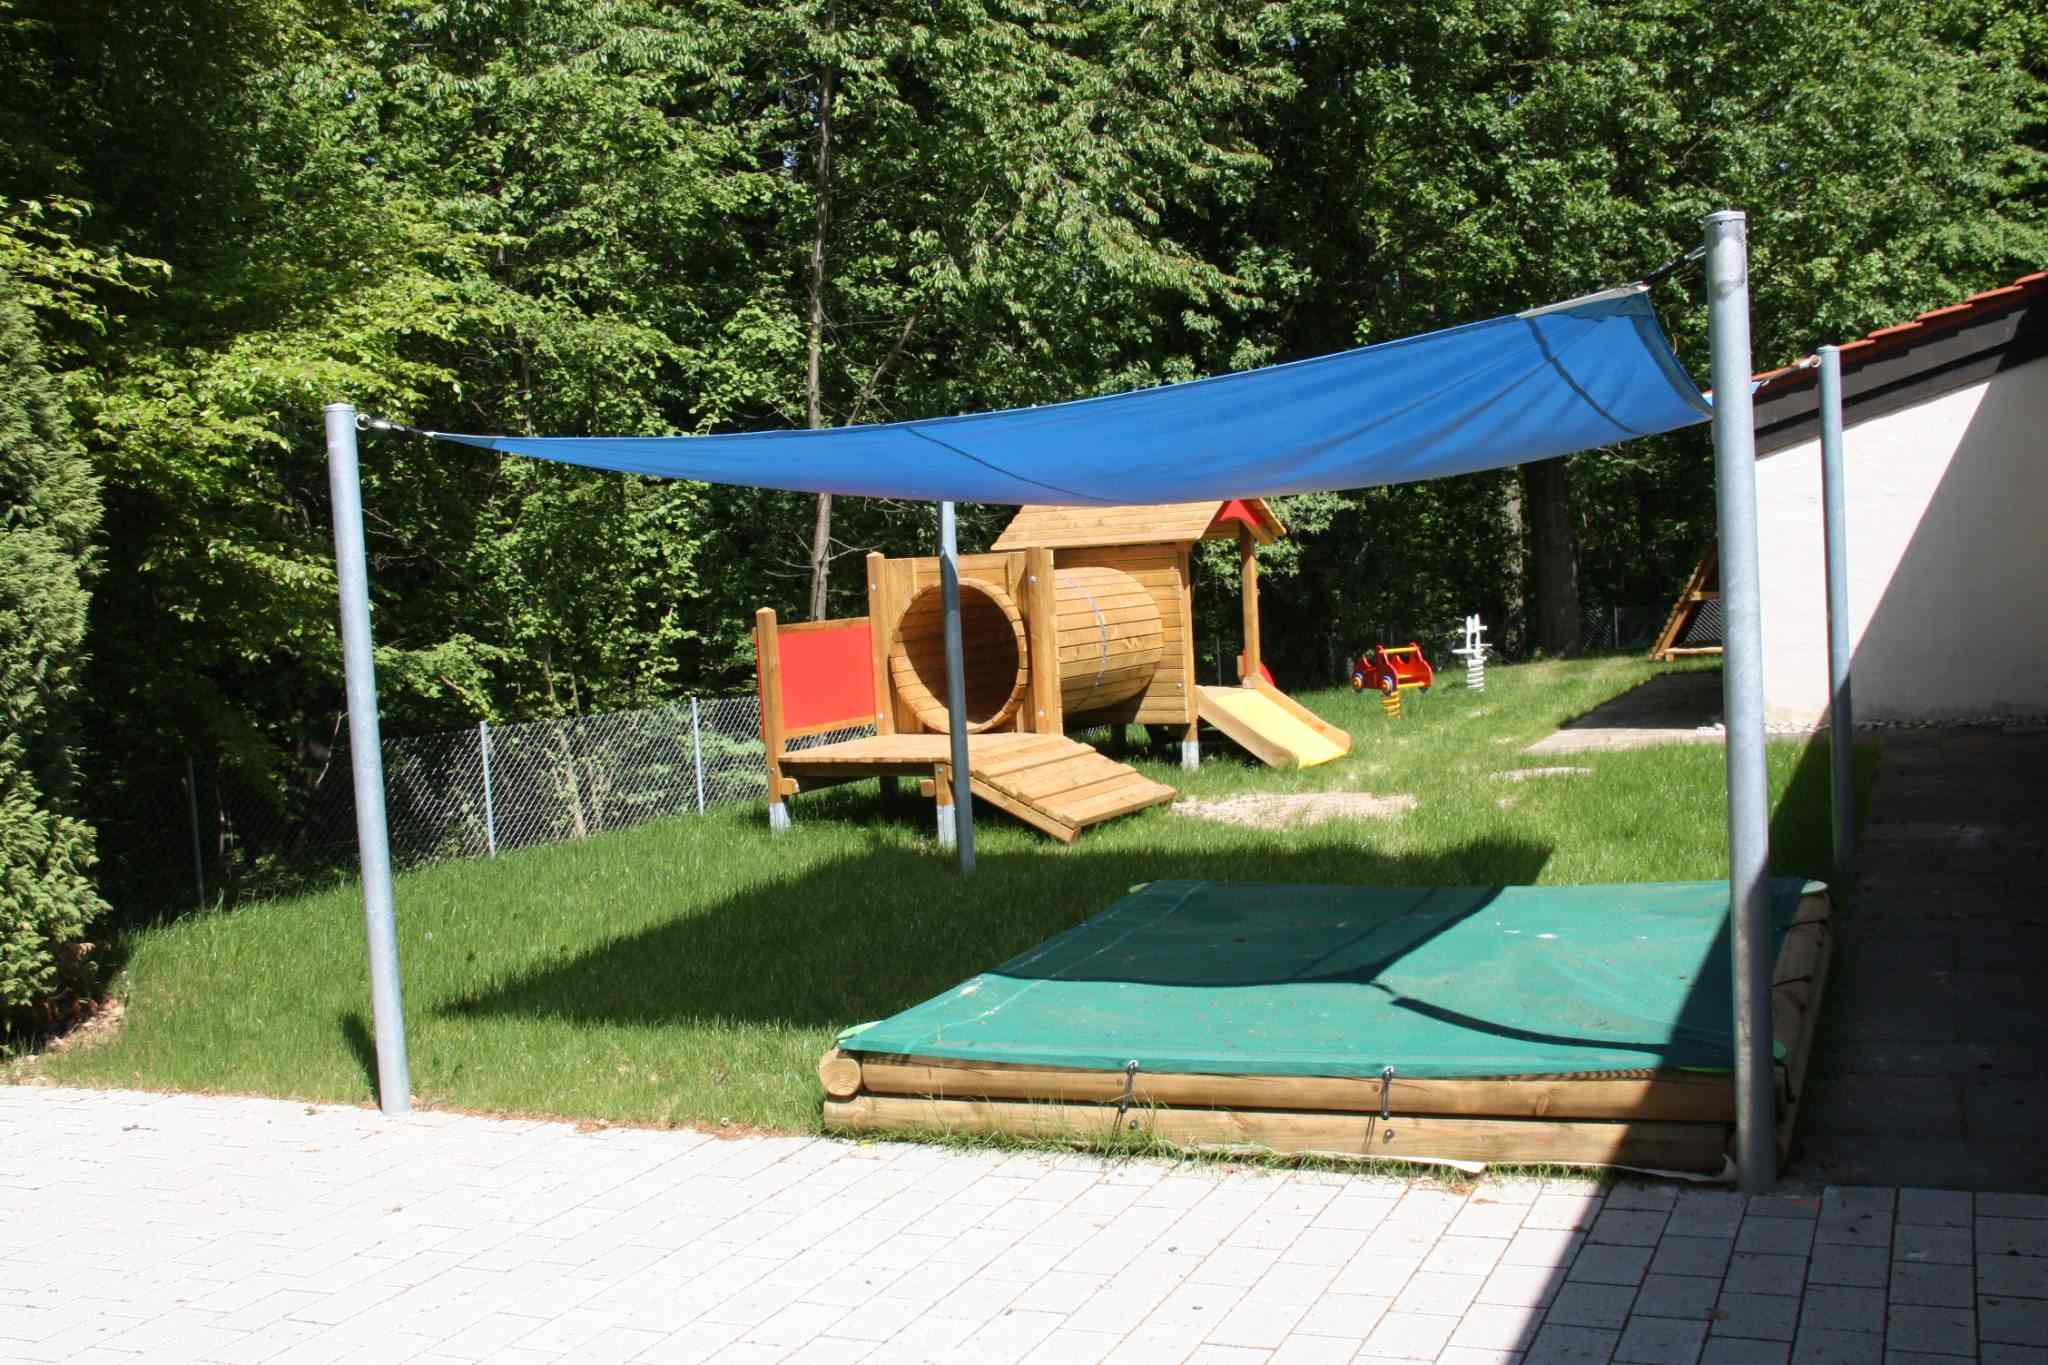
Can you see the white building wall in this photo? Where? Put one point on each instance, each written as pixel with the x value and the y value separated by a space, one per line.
pixel 1947 507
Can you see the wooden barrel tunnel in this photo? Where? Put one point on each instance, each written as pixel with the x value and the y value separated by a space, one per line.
pixel 1109 644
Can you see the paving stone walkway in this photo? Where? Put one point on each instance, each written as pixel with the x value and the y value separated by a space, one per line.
pixel 137 1227
pixel 1931 1066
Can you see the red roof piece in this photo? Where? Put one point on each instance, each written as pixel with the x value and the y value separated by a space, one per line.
pixel 1905 335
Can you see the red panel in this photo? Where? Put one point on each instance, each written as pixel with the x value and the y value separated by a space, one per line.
pixel 827 675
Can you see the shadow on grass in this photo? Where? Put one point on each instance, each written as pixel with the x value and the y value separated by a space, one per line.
pixel 862 936
pixel 1802 823
pixel 355 1034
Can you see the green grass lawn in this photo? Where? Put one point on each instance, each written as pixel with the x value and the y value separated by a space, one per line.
pixel 692 971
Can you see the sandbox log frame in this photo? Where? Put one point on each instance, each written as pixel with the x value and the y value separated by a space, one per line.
pixel 1672 1121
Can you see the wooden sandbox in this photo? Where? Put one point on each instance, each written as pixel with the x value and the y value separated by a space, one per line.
pixel 1658 1118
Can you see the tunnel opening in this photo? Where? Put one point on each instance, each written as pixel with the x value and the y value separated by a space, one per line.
pixel 998 664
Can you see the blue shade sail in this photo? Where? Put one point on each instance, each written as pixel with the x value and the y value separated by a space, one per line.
pixel 1486 395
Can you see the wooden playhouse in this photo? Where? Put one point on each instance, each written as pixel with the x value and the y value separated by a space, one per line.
pixel 1075 617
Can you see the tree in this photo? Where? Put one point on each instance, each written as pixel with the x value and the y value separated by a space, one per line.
pixel 49 508
pixel 1449 162
pixel 991 183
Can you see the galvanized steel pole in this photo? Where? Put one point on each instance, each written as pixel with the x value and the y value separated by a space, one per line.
pixel 1742 697
pixel 697 751
pixel 366 753
pixel 1835 529
pixel 483 745
pixel 956 688
pixel 198 846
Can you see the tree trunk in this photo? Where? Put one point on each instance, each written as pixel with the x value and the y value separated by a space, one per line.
pixel 1553 558
pixel 1514 569
pixel 814 392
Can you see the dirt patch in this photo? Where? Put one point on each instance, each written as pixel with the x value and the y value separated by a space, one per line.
pixel 1285 812
pixel 94 1022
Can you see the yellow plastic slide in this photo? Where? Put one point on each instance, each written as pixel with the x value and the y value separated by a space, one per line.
pixel 1273 726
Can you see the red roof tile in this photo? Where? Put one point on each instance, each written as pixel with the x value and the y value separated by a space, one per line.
pixel 1906 335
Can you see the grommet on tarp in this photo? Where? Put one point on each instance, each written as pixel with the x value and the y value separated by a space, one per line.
pixel 1130 1095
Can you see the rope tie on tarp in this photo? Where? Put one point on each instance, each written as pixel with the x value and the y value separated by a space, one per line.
pixel 1674 265
pixel 1130 1095
pixel 367 422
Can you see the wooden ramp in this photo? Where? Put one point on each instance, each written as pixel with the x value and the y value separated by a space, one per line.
pixel 1050 782
pixel 1272 726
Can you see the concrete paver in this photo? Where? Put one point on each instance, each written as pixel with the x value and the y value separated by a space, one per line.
pixel 1929 1068
pixel 141 1227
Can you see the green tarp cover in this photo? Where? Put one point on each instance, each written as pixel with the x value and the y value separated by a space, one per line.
pixel 1239 978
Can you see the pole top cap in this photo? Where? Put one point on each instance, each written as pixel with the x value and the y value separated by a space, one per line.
pixel 1727 216
pixel 339 407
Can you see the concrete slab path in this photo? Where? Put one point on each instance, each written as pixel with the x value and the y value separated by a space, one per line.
pixel 1671 708
pixel 141 1227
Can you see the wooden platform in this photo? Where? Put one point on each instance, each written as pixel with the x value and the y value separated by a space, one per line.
pixel 1658 1120
pixel 1050 782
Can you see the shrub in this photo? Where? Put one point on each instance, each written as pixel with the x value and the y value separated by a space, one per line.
pixel 49 509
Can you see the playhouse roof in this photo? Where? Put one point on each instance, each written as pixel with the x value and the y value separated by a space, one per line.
pixel 1146 524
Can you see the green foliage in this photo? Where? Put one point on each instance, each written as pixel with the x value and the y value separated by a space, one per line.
pixel 598 216
pixel 49 508
pixel 1446 162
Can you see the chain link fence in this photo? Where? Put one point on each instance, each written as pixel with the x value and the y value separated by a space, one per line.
pixel 197 834
pixel 1622 629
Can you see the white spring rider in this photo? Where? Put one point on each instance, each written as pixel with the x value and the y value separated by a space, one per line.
pixel 1473 652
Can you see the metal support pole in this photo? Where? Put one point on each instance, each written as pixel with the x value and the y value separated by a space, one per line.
pixel 1835 527
pixel 1742 697
pixel 956 689
pixel 198 844
pixel 483 739
pixel 366 753
pixel 697 752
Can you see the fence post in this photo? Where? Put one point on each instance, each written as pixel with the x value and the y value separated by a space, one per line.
pixel 198 845
pixel 483 738
pixel 697 752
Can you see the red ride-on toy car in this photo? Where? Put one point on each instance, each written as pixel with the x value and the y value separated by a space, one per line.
pixel 1389 670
